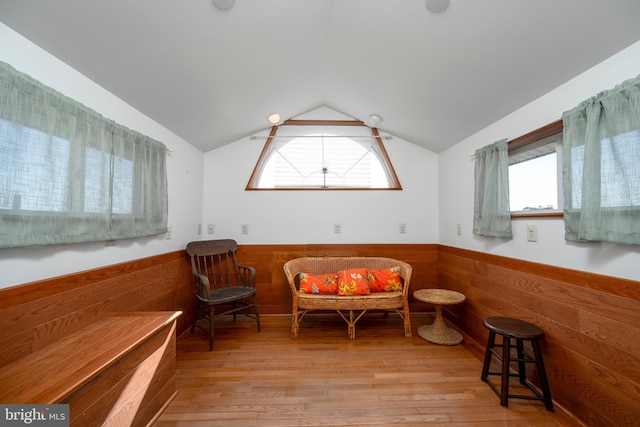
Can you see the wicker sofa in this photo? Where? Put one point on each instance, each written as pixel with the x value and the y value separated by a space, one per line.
pixel 352 307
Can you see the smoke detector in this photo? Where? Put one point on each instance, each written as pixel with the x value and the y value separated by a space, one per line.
pixel 437 6
pixel 223 4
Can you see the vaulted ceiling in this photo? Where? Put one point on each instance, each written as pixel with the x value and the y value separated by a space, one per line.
pixel 213 76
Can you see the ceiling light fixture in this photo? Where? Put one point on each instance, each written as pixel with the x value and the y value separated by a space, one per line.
pixel 274 118
pixel 375 119
pixel 223 4
pixel 437 6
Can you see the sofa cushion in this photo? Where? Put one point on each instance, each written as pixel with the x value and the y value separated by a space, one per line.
pixel 318 284
pixel 385 280
pixel 353 282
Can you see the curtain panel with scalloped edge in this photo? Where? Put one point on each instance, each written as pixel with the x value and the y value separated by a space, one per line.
pixel 69 175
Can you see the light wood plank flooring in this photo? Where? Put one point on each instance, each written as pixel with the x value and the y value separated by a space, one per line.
pixel 323 379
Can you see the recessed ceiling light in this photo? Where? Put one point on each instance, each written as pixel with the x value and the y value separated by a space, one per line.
pixel 223 4
pixel 437 6
pixel 274 118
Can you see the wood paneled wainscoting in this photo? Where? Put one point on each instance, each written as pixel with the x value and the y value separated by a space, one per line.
pixel 37 314
pixel 591 324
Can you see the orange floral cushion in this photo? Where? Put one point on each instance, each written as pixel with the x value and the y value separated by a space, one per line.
pixel 318 284
pixel 387 280
pixel 353 282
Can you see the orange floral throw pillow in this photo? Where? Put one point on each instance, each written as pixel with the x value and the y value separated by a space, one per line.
pixel 318 284
pixel 387 280
pixel 353 282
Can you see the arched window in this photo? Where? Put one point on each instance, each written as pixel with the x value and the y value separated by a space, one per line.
pixel 323 155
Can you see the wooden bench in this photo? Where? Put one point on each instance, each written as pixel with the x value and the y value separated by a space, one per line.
pixel 351 308
pixel 119 370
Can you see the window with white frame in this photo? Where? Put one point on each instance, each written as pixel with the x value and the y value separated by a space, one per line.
pixel 534 178
pixel 620 186
pixel 41 181
pixel 35 176
pixel 108 183
pixel 535 173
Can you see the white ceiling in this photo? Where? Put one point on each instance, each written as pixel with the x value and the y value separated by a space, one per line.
pixel 214 76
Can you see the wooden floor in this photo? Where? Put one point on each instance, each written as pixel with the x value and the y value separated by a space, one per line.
pixel 323 379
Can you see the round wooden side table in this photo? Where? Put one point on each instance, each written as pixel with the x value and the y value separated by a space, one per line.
pixel 439 332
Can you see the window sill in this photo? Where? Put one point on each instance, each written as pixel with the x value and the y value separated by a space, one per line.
pixel 555 214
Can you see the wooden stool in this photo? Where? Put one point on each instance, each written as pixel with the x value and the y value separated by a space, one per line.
pixel 521 331
pixel 439 332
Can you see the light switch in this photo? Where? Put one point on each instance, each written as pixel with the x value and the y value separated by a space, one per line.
pixel 532 233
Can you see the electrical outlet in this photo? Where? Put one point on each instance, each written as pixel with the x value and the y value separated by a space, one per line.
pixel 168 236
pixel 244 228
pixel 459 229
pixel 210 229
pixel 337 228
pixel 532 233
pixel 199 229
pixel 402 229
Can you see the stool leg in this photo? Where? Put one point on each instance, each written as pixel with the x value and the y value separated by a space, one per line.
pixel 506 361
pixel 542 375
pixel 522 373
pixel 487 356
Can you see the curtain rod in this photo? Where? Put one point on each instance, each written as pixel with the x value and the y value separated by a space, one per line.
pixel 386 137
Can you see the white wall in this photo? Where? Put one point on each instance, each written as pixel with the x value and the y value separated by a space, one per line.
pixel 456 181
pixel 184 170
pixel 300 217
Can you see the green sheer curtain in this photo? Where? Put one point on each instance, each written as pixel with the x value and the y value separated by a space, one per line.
pixel 69 175
pixel 601 170
pixel 491 213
